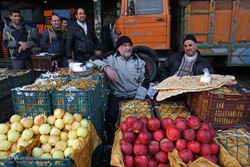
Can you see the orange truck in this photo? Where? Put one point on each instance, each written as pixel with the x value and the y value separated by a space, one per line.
pixel 157 28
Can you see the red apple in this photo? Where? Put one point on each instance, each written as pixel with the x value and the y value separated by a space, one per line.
pixel 194 146
pixel 130 120
pixel 129 136
pixel 140 149
pixel 173 133
pixel 204 136
pixel 144 137
pixel 180 118
pixel 128 161
pixel 144 119
pixel 161 157
pixel 126 148
pixel 210 158
pixel 181 125
pixel 186 155
pixel 166 122
pixel 205 150
pixel 152 163
pixel 181 144
pixel 153 147
pixel 153 124
pixel 204 126
pixel 158 135
pixel 137 126
pixel 213 132
pixel 215 148
pixel 124 126
pixel 166 145
pixel 140 161
pixel 194 122
pixel 189 134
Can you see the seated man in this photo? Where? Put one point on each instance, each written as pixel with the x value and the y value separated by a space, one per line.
pixel 186 63
pixel 128 76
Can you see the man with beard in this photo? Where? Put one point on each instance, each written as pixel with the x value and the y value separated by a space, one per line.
pixel 186 63
pixel 81 39
pixel 19 39
pixel 128 79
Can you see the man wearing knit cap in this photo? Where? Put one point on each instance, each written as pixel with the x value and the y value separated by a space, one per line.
pixel 186 63
pixel 127 73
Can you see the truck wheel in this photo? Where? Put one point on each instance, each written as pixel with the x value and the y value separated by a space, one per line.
pixel 147 55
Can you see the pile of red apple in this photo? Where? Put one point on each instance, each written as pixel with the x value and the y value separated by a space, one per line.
pixel 146 142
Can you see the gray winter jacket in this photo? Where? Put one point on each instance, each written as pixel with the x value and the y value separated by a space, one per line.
pixel 11 37
pixel 133 75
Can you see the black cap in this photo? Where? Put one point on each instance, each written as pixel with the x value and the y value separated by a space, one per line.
pixel 122 40
pixel 190 37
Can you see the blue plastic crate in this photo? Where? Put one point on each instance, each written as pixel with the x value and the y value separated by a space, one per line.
pixel 23 161
pixel 31 102
pixel 5 86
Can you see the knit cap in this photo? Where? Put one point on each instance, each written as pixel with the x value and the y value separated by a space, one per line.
pixel 122 40
pixel 190 37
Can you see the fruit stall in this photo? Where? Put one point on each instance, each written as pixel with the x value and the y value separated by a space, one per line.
pixel 58 121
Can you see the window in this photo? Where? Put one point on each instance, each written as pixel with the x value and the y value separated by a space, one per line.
pixel 144 7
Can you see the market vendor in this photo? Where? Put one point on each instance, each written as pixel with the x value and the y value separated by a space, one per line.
pixel 128 76
pixel 186 63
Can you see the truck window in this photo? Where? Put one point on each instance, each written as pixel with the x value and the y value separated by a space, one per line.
pixel 144 7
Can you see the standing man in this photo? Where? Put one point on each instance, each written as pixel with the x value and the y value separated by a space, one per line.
pixel 19 39
pixel 64 23
pixel 53 38
pixel 186 63
pixel 81 39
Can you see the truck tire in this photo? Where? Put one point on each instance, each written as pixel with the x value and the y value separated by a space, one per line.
pixel 149 56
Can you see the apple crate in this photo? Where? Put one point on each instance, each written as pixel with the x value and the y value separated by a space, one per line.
pixel 136 108
pixel 220 108
pixel 19 77
pixel 5 86
pixel 23 161
pixel 170 109
pixel 85 102
pixel 31 102
pixel 9 162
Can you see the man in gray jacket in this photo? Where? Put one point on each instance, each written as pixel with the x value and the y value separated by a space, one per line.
pixel 18 38
pixel 128 76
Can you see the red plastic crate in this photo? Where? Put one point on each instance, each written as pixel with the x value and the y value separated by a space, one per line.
pixel 220 110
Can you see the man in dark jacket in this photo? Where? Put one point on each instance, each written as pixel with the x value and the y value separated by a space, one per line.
pixel 19 39
pixel 186 63
pixel 54 38
pixel 81 39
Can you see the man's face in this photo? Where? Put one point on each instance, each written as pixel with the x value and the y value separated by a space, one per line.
pixel 81 16
pixel 16 18
pixel 64 24
pixel 190 48
pixel 125 50
pixel 55 22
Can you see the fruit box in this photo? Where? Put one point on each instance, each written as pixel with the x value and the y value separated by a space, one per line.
pixel 170 109
pixel 19 77
pixel 5 86
pixel 136 108
pixel 225 159
pixel 31 102
pixel 236 141
pixel 9 162
pixel 220 109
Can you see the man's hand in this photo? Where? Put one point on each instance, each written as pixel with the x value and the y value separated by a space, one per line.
pixel 23 46
pixel 111 74
pixel 70 60
pixel 98 52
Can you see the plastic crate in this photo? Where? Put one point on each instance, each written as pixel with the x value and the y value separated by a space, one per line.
pixel 9 162
pixel 220 110
pixel 5 86
pixel 131 108
pixel 6 108
pixel 46 63
pixel 85 102
pixel 31 102
pixel 23 161
pixel 18 80
pixel 170 109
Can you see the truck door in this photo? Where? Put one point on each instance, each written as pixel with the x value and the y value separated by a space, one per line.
pixel 146 23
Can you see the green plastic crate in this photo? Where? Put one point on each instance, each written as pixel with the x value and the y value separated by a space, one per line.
pixel 7 162
pixel 19 80
pixel 31 102
pixel 23 161
pixel 6 108
pixel 5 86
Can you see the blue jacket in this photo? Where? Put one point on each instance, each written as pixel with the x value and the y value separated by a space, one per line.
pixel 51 43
